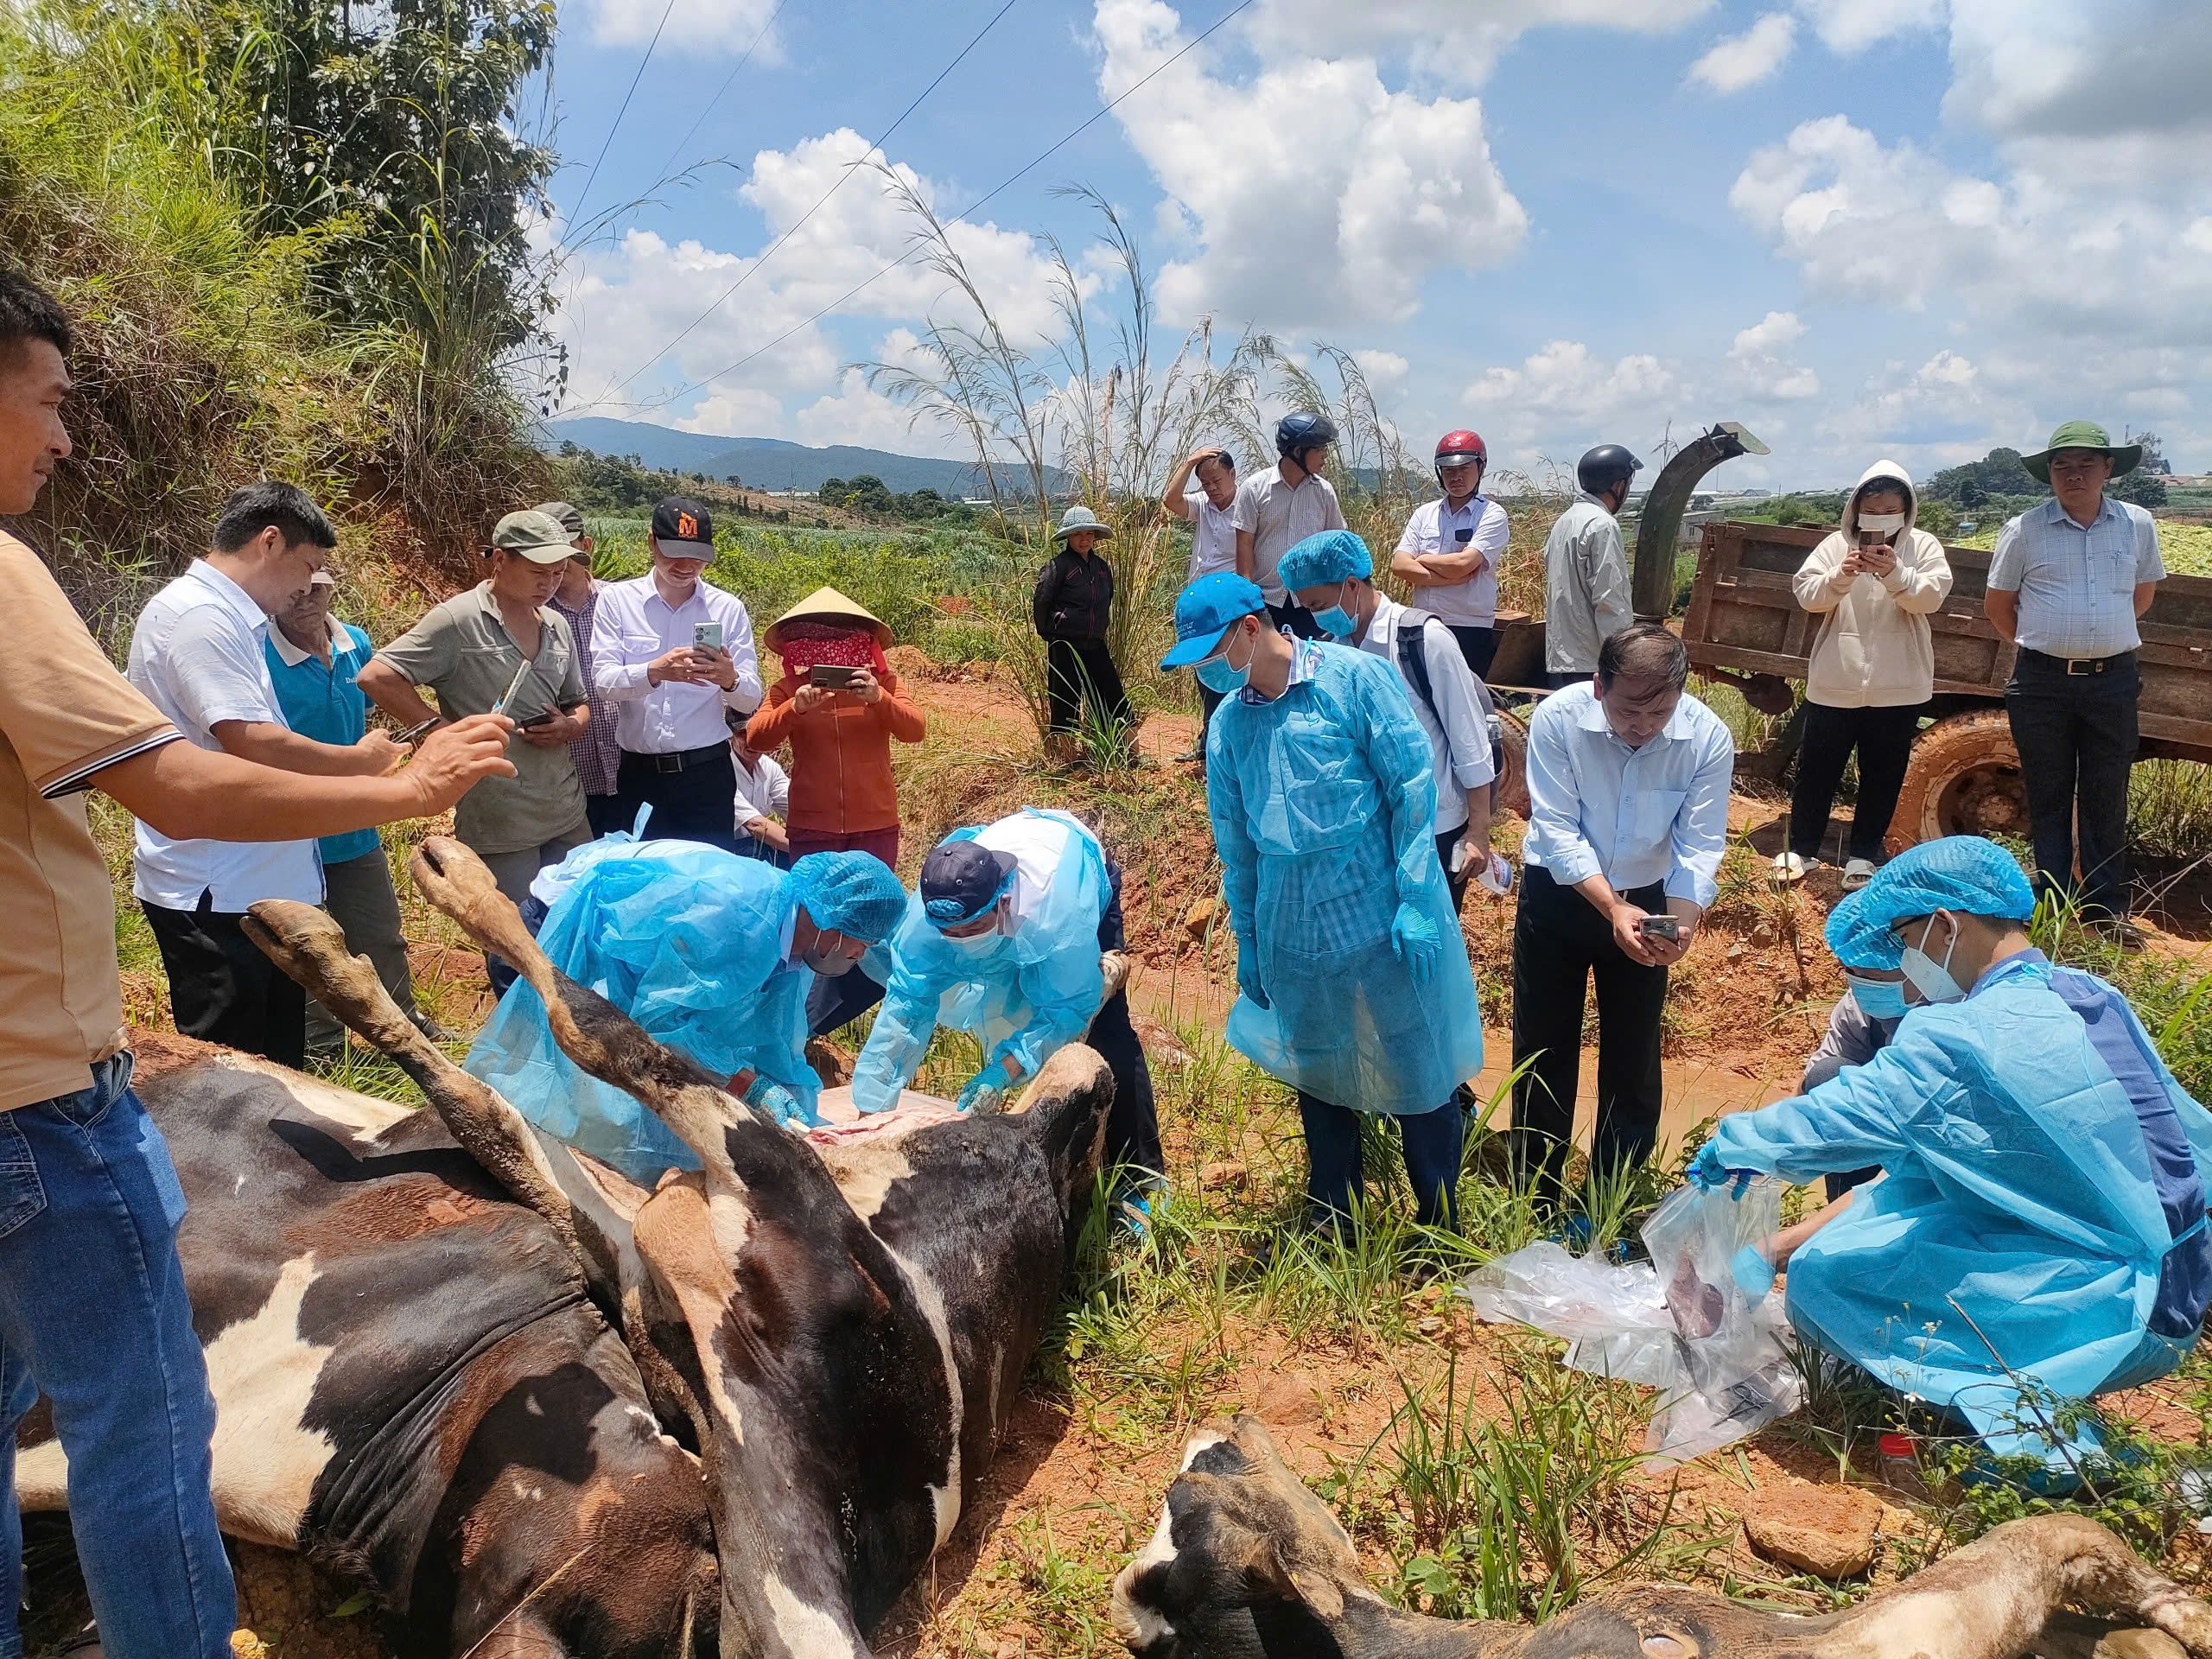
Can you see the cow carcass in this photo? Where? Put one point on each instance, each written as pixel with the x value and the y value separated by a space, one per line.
pixel 1247 1564
pixel 449 1354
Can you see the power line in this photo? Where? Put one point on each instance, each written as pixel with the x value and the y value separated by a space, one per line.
pixel 747 274
pixel 974 207
pixel 608 142
pixel 729 81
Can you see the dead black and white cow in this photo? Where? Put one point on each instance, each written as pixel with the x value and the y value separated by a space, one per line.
pixel 445 1352
pixel 1247 1564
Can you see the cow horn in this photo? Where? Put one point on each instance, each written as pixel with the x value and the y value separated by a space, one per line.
pixel 310 947
pixel 597 1036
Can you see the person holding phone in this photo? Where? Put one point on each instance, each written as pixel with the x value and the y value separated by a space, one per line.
pixel 1450 551
pixel 839 706
pixel 1873 584
pixel 500 649
pixel 1628 818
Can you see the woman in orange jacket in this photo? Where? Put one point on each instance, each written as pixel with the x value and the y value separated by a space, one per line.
pixel 838 706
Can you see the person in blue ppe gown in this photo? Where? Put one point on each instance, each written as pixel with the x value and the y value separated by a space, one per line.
pixel 1352 978
pixel 1009 937
pixel 2041 1210
pixel 711 953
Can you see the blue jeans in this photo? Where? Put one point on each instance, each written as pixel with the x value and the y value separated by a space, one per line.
pixel 1432 1143
pixel 94 1314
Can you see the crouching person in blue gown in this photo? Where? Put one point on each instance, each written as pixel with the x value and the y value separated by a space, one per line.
pixel 1353 982
pixel 711 953
pixel 2040 1214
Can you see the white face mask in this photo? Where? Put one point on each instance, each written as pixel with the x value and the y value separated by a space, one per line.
pixel 1882 524
pixel 1930 978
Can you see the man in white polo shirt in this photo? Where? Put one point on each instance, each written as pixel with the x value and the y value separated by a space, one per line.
pixel 1449 553
pixel 670 653
pixel 1280 507
pixel 1211 514
pixel 199 655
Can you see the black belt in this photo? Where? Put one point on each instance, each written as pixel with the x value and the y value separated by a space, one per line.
pixel 681 760
pixel 2077 666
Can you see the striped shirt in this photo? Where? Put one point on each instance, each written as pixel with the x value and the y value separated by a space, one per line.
pixel 595 754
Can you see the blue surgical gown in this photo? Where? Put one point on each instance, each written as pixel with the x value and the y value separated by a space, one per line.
pixel 1323 805
pixel 1029 993
pixel 2042 1169
pixel 690 942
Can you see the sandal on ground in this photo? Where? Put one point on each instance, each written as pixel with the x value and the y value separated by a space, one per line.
pixel 1857 873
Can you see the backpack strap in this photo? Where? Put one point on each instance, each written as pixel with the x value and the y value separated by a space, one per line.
pixel 1408 651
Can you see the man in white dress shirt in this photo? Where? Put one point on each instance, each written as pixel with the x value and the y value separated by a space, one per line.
pixel 1628 818
pixel 199 655
pixel 1211 514
pixel 670 652
pixel 1449 553
pixel 1279 508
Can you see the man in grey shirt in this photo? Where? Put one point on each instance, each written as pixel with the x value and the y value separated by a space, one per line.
pixel 2066 584
pixel 469 651
pixel 1586 567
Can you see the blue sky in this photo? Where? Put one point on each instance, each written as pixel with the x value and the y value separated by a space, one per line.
pixel 1862 228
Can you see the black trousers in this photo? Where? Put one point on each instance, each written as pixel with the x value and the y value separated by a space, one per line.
pixel 2076 734
pixel 1077 668
pixel 603 812
pixel 1297 619
pixel 1560 944
pixel 1883 740
pixel 222 989
pixel 698 803
pixel 1447 844
pixel 1477 645
pixel 1432 1142
pixel 1132 1123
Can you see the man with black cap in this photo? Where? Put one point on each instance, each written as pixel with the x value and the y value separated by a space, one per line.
pixel 1020 920
pixel 595 755
pixel 2066 584
pixel 1586 567
pixel 670 653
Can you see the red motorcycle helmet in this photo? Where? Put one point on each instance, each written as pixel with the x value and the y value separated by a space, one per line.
pixel 1457 449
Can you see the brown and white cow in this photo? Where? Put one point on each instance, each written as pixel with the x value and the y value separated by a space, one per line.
pixel 445 1351
pixel 1247 1564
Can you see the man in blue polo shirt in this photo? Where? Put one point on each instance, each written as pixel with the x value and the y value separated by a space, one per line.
pixel 313 658
pixel 2066 584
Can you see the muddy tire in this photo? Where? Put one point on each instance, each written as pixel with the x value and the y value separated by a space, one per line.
pixel 1512 765
pixel 1964 779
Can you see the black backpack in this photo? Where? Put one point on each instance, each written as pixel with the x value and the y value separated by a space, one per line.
pixel 1413 668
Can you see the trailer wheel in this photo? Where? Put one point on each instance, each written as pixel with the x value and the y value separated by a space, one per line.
pixel 1512 765
pixel 1964 779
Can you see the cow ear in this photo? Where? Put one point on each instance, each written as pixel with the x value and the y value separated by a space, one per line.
pixel 1264 1564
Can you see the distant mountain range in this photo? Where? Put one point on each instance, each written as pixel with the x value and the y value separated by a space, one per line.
pixel 762 463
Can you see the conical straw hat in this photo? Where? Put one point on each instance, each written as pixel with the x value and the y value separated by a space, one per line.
pixel 828 605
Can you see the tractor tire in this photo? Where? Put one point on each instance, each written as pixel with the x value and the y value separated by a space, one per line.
pixel 1964 779
pixel 1512 765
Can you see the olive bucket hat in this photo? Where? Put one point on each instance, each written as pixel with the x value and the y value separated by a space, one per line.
pixel 2083 434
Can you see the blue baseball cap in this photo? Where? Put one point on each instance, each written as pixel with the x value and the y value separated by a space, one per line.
pixel 1204 612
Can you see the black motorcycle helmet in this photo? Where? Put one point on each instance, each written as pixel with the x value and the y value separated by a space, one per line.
pixel 1605 465
pixel 1302 430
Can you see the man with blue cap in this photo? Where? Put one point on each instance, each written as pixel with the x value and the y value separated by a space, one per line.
pixel 2041 1214
pixel 1353 981
pixel 710 952
pixel 1015 935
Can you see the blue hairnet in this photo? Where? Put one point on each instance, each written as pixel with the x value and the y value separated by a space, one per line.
pixel 1966 873
pixel 852 893
pixel 1858 942
pixel 1332 555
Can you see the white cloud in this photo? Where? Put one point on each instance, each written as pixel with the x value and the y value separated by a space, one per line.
pixel 1450 39
pixel 1746 60
pixel 1386 371
pixel 1758 362
pixel 716 25
pixel 1851 26
pixel 1343 226
pixel 858 415
pixel 743 414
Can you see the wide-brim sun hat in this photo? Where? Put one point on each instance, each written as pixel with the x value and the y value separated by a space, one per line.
pixel 2083 434
pixel 1076 519
pixel 828 605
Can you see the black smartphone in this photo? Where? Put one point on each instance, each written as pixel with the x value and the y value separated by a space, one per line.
pixel 1661 927
pixel 830 676
pixel 545 719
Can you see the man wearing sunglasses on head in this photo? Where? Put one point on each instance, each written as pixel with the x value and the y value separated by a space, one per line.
pixel 1450 551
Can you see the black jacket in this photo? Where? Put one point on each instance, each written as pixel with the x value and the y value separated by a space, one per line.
pixel 1075 596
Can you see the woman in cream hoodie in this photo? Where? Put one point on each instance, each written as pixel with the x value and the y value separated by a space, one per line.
pixel 1874 583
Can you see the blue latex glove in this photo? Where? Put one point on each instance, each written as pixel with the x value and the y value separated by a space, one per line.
pixel 766 1095
pixel 984 1091
pixel 1418 944
pixel 1247 973
pixel 1706 1171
